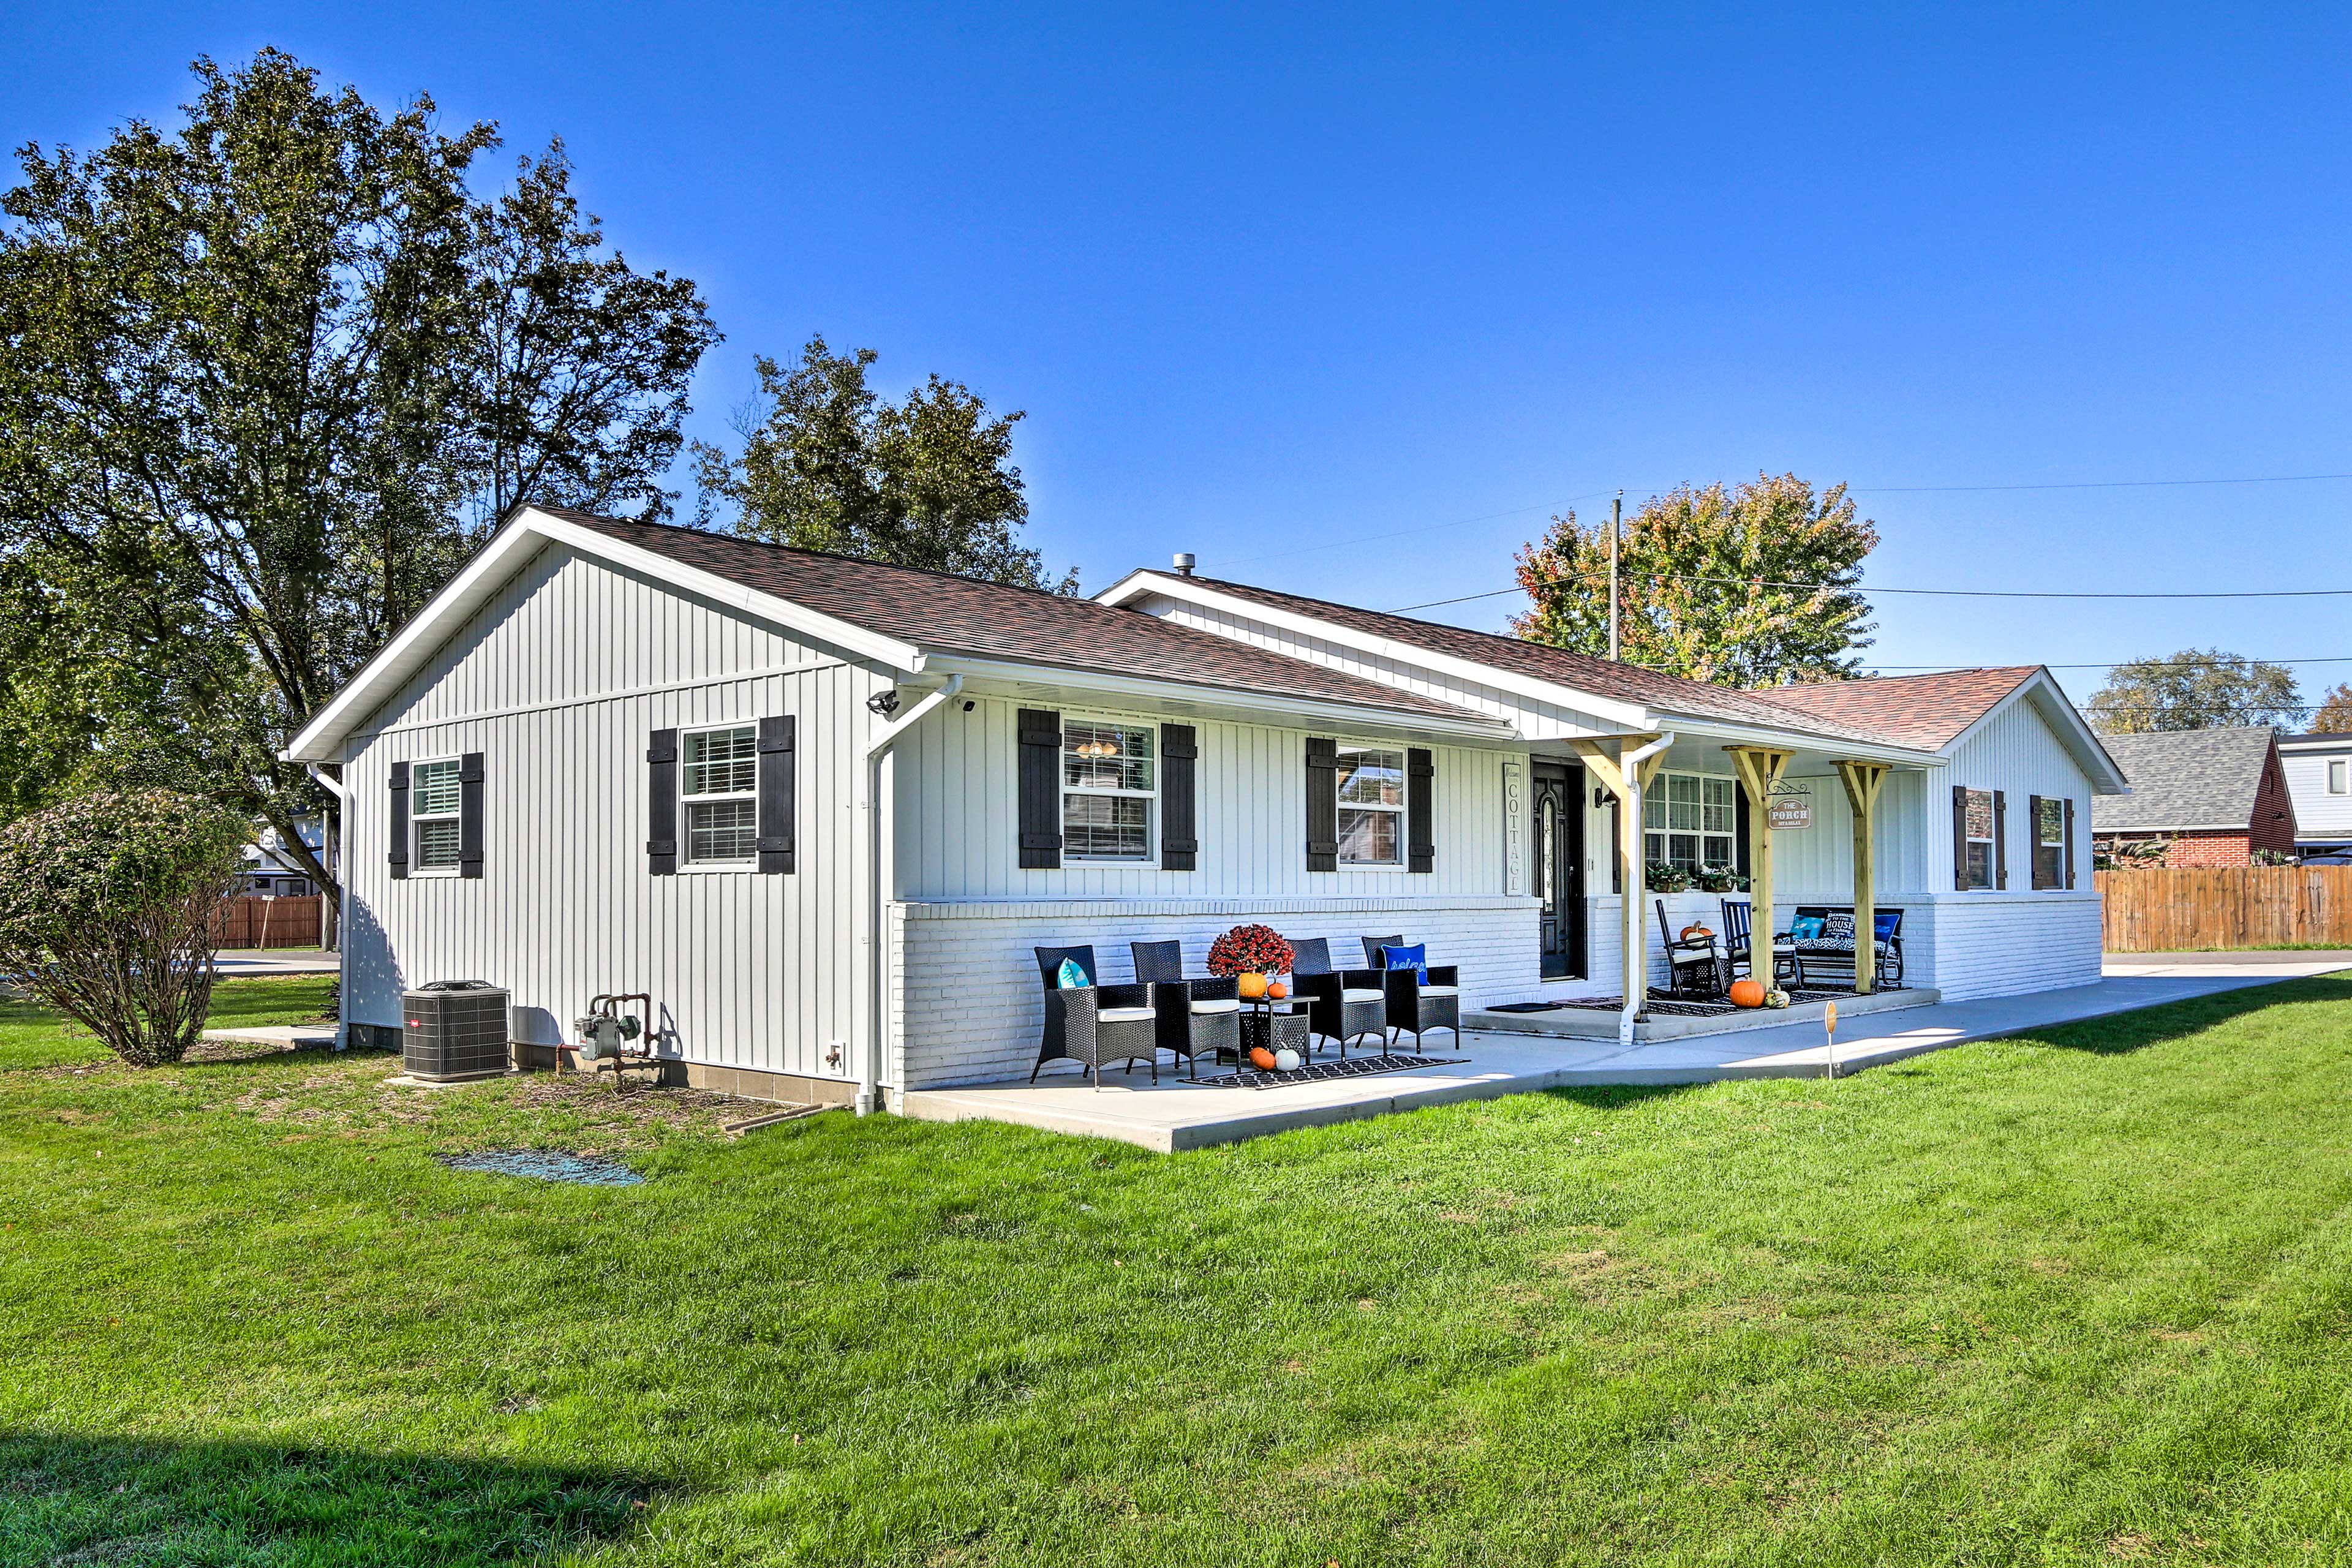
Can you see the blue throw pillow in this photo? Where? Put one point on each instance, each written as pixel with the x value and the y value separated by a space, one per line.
pixel 1072 977
pixel 1884 925
pixel 1805 928
pixel 1416 958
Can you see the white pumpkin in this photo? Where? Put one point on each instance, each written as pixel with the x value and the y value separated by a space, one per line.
pixel 1776 999
pixel 1285 1060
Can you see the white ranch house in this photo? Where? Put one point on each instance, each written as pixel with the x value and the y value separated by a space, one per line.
pixel 823 810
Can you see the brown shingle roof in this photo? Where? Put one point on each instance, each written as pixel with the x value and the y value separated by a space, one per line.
pixel 935 610
pixel 1927 711
pixel 1578 671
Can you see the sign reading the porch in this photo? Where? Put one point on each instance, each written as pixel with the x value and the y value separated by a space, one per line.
pixel 1791 806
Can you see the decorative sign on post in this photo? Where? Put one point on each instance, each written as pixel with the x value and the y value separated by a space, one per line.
pixel 1829 1028
pixel 1790 807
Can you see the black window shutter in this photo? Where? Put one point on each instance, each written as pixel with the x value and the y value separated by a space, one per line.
pixel 399 853
pixel 1420 810
pixel 469 815
pixel 777 765
pixel 1961 837
pixel 2070 842
pixel 1041 789
pixel 2033 840
pixel 1179 844
pixel 1322 804
pixel 1739 831
pixel 661 803
pixel 2000 839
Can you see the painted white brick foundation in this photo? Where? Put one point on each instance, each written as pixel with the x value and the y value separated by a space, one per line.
pixel 966 1005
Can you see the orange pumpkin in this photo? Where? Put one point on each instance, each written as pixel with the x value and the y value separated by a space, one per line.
pixel 1696 934
pixel 1252 985
pixel 1747 992
pixel 1261 1058
pixel 1276 990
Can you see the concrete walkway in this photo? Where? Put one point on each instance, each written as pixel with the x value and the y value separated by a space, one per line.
pixel 1173 1115
pixel 243 964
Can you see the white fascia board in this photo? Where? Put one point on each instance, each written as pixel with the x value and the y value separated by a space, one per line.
pixel 1292 710
pixel 2178 827
pixel 1745 734
pixel 1636 719
pixel 2042 690
pixel 521 537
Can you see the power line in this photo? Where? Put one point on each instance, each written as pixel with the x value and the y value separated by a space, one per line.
pixel 1873 589
pixel 2118 663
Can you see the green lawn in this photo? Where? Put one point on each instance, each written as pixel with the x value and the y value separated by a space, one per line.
pixel 2082 1299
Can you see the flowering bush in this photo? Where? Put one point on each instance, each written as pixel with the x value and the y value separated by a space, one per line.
pixel 1666 877
pixel 1250 950
pixel 107 908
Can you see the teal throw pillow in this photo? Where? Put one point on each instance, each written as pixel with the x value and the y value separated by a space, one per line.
pixel 1072 977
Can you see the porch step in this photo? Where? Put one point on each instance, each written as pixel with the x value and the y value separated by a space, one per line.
pixel 1592 1023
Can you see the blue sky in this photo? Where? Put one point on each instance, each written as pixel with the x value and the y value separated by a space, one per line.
pixel 1272 284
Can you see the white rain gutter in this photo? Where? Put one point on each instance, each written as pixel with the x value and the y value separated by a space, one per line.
pixel 342 896
pixel 869 1068
pixel 1637 892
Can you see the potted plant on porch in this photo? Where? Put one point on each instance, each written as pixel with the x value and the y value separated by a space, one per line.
pixel 1253 955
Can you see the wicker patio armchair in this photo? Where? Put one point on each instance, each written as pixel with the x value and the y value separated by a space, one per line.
pixel 1192 1015
pixel 1337 1008
pixel 1095 1024
pixel 1413 1005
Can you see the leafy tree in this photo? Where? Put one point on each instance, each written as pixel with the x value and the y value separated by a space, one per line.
pixel 2335 713
pixel 829 465
pixel 266 377
pixel 109 903
pixel 1746 586
pixel 2196 689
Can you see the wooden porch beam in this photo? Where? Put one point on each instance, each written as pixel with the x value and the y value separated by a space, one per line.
pixel 1863 782
pixel 1609 770
pixel 1760 768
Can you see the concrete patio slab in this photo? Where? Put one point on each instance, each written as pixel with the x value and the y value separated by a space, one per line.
pixel 1174 1115
pixel 1594 1023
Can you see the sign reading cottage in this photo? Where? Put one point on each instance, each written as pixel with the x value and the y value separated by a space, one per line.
pixel 823 810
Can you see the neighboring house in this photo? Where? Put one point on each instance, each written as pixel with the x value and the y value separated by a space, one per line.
pixel 822 809
pixel 2319 781
pixel 2209 797
pixel 271 869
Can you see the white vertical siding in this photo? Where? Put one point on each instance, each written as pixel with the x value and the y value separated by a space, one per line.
pixel 2017 752
pixel 558 682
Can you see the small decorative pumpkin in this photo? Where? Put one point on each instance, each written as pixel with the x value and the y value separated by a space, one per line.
pixel 1252 984
pixel 1262 1059
pixel 1287 1060
pixel 1276 989
pixel 1776 999
pixel 1748 993
pixel 1697 934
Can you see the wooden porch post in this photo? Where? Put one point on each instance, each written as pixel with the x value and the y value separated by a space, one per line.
pixel 1610 771
pixel 1760 768
pixel 1863 782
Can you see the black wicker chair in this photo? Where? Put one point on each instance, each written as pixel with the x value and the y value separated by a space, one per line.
pixel 1096 1024
pixel 1414 1004
pixel 1193 1016
pixel 1337 1009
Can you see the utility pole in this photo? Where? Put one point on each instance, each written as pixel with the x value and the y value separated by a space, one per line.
pixel 1616 524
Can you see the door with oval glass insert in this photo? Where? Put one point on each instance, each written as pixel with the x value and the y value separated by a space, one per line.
pixel 1559 799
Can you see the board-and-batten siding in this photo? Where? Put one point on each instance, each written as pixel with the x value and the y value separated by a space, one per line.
pixel 559 681
pixel 2014 751
pixel 955 777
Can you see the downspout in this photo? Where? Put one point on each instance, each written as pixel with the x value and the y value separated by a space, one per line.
pixel 1637 892
pixel 869 1072
pixel 343 895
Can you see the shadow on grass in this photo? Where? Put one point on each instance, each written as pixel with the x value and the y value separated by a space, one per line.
pixel 1618 1095
pixel 69 1498
pixel 2124 1032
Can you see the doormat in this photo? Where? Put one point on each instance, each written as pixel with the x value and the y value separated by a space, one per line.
pixel 1674 1009
pixel 545 1166
pixel 1326 1072
pixel 1526 1006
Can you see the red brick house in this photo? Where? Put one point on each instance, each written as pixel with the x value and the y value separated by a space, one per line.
pixel 2210 797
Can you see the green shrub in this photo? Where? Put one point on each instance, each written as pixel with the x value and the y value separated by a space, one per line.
pixel 109 904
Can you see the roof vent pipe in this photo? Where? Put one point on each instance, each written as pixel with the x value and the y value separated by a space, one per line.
pixel 1183 563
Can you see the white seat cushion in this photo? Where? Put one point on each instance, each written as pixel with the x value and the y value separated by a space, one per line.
pixel 1215 1004
pixel 1784 947
pixel 1124 1015
pixel 1353 996
pixel 1441 991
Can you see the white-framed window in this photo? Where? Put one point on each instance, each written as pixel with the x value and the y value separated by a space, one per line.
pixel 1110 779
pixel 718 780
pixel 435 803
pixel 2339 776
pixel 2050 843
pixel 1692 821
pixel 1977 817
pixel 1372 805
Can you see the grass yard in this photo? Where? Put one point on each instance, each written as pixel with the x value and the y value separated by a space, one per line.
pixel 2081 1298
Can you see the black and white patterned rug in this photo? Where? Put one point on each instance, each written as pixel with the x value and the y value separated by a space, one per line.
pixel 1325 1072
pixel 1675 1007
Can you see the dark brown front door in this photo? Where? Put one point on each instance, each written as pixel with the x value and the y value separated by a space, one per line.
pixel 1559 866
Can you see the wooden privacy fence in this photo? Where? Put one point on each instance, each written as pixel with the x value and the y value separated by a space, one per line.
pixel 2165 910
pixel 271 923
